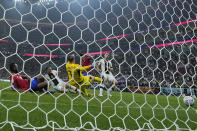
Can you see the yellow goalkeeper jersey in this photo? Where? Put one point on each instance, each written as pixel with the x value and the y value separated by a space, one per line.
pixel 74 72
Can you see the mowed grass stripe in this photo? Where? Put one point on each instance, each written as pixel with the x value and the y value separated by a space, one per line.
pixel 125 110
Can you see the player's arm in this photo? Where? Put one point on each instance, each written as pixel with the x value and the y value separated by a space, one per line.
pixel 59 72
pixel 82 68
pixel 69 70
pixel 46 76
pixel 110 67
pixel 98 65
pixel 25 77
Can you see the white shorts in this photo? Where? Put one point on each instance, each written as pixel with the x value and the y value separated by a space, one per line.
pixel 60 86
pixel 109 77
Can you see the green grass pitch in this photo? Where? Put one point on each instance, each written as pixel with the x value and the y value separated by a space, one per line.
pixel 124 110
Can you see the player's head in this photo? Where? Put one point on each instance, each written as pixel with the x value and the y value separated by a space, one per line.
pixel 84 56
pixel 48 69
pixel 40 79
pixel 14 68
pixel 71 58
pixel 106 55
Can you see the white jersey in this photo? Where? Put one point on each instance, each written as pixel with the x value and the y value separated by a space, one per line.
pixel 105 69
pixel 105 66
pixel 54 80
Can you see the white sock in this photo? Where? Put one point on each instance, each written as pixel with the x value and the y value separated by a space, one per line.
pixel 72 87
pixel 109 91
pixel 101 91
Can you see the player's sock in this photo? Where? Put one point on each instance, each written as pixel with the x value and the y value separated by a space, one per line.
pixel 101 91
pixel 109 92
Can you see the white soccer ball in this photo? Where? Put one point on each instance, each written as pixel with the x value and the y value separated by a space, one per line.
pixel 188 100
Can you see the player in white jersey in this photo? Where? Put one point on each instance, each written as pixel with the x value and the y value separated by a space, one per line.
pixel 56 82
pixel 105 68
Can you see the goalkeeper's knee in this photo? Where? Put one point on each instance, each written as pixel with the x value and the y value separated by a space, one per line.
pixel 84 92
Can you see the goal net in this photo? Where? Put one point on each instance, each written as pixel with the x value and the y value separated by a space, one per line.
pixel 151 65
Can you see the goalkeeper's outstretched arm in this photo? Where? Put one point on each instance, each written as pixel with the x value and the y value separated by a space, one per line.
pixel 82 68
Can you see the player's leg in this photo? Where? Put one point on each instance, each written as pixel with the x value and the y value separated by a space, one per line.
pixel 42 84
pixel 87 82
pixel 84 90
pixel 95 79
pixel 72 88
pixel 101 90
pixel 61 87
pixel 115 83
pixel 109 91
pixel 104 80
pixel 111 79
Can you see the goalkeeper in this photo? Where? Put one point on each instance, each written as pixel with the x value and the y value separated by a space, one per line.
pixel 76 77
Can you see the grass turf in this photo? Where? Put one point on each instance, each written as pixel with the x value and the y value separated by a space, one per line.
pixel 68 111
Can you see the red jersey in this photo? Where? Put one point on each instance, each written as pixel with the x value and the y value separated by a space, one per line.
pixel 18 82
pixel 86 62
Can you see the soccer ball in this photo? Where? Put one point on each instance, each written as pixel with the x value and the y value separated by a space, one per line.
pixel 188 100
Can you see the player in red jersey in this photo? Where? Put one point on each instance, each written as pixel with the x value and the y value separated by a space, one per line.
pixel 22 83
pixel 85 62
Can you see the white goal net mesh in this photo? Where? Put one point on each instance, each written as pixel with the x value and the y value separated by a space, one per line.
pixel 152 47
